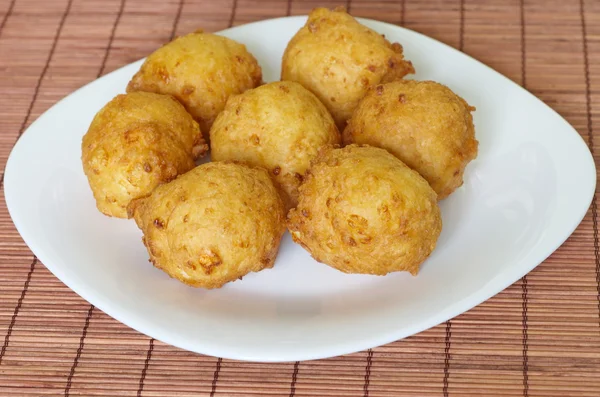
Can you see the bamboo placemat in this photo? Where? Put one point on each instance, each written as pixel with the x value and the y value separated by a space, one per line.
pixel 540 337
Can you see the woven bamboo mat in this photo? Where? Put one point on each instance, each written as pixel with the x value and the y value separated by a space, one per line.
pixel 540 337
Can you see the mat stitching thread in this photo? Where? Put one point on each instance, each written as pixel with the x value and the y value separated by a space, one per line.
pixel 525 338
pixel 46 66
pixel 560 91
pixel 524 294
pixel 145 369
pixel 461 28
pixel 17 309
pixel 368 373
pixel 220 360
pixel 297 363
pixel 2 24
pixel 233 13
pixel 91 308
pixel 213 388
pixel 448 336
pixel 523 63
pixel 111 38
pixel 447 358
pixel 588 105
pixel 348 5
pixel 402 12
pixel 151 344
pixel 294 379
pixel 176 21
pixel 79 350
pixel 7 15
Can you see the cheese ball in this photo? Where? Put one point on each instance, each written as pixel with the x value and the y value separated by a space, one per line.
pixel 279 126
pixel 424 124
pixel 338 59
pixel 361 210
pixel 201 70
pixel 135 143
pixel 212 225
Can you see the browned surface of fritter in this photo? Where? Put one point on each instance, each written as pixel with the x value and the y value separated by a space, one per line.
pixel 361 210
pixel 424 124
pixel 279 126
pixel 201 70
pixel 338 59
pixel 212 225
pixel 136 142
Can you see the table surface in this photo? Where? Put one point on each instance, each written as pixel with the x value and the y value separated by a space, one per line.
pixel 540 337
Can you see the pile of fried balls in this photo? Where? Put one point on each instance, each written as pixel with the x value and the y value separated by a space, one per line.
pixel 343 152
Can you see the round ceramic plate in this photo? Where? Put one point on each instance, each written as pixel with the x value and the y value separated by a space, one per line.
pixel 524 195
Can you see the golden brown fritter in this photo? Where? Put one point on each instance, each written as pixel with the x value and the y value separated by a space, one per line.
pixel 201 70
pixel 136 142
pixel 212 225
pixel 361 210
pixel 338 59
pixel 424 124
pixel 279 126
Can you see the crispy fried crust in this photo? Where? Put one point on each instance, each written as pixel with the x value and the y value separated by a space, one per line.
pixel 338 59
pixel 424 124
pixel 136 142
pixel 279 126
pixel 212 225
pixel 201 70
pixel 361 210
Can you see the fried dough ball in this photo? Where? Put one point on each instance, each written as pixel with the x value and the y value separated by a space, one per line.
pixel 279 126
pixel 212 225
pixel 424 124
pixel 136 142
pixel 201 70
pixel 362 210
pixel 338 59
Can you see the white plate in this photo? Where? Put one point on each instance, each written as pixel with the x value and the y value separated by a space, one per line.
pixel 524 195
